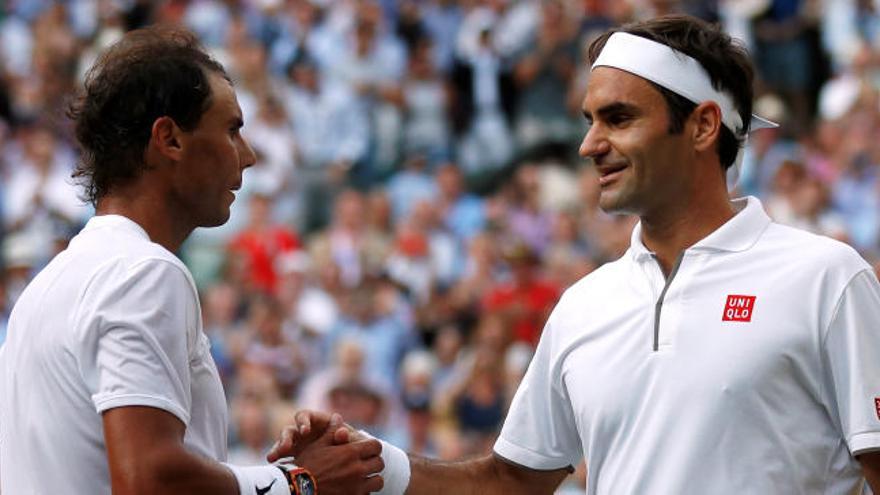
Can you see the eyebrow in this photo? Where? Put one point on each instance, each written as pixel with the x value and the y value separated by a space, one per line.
pixel 612 108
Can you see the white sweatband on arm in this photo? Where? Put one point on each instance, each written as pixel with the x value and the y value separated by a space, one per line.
pixel 263 477
pixel 397 470
pixel 679 73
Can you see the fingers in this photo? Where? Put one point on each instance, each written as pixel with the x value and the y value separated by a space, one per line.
pixel 284 445
pixel 341 436
pixel 369 448
pixel 374 465
pixel 374 484
pixel 303 421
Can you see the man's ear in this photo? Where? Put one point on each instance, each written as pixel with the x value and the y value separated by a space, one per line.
pixel 707 126
pixel 165 138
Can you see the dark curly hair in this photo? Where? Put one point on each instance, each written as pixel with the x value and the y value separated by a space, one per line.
pixel 725 60
pixel 150 73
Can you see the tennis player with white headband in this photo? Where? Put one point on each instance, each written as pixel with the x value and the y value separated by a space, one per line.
pixel 723 353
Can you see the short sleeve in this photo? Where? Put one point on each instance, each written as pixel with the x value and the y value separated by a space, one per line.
pixel 540 430
pixel 137 326
pixel 852 355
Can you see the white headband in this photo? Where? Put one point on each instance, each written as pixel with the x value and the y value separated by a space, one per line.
pixel 676 72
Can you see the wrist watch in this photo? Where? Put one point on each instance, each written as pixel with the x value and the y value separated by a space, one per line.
pixel 299 480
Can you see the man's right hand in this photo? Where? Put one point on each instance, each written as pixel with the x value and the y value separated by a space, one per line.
pixel 342 461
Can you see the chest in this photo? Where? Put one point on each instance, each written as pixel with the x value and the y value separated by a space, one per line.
pixel 708 339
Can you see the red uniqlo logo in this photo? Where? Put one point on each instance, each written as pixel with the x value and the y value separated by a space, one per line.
pixel 877 406
pixel 738 308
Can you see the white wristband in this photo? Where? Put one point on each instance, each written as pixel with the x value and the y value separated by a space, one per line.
pixel 397 470
pixel 266 479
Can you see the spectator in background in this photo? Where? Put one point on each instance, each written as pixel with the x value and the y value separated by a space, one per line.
pixel 370 61
pixel 349 243
pixel 380 218
pixel 261 243
pixel 788 56
pixel 567 257
pixel 441 19
pixel 302 34
pixel 478 400
pixel 275 172
pixel 410 186
pixel 543 74
pixel 526 299
pixel 482 269
pixel 40 200
pixel 811 207
pixel 345 367
pixel 462 212
pixel 365 408
pixel 416 433
pixel 484 101
pixel 527 221
pixel 252 430
pixel 382 333
pixel 409 263
pixel 221 304
pixel 332 135
pixel 310 309
pixel 270 347
pixel 445 250
pixel 427 103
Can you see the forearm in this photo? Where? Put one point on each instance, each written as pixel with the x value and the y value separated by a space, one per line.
pixel 477 476
pixel 172 471
pixel 871 469
pixel 487 475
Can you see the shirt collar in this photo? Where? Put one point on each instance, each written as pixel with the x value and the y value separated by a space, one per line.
pixel 737 234
pixel 118 222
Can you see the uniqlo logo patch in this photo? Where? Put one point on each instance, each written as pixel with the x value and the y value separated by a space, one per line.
pixel 738 308
pixel 877 406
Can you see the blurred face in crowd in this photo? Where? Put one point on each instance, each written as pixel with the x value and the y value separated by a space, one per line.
pixel 350 210
pixel 642 167
pixel 449 181
pixel 213 158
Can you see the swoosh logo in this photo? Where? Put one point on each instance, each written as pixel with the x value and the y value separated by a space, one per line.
pixel 265 490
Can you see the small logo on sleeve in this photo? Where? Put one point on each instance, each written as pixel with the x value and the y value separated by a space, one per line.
pixel 738 308
pixel 877 406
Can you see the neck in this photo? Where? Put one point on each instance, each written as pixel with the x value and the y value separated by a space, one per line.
pixel 149 210
pixel 669 231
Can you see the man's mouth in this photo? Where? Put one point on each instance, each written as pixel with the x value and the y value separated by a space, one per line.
pixel 608 173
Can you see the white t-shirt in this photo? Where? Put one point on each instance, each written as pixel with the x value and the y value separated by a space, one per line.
pixel 762 374
pixel 112 321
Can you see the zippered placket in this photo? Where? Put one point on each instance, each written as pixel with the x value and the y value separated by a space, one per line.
pixel 658 306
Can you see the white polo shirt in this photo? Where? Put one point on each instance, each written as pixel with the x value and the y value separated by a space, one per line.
pixel 765 377
pixel 112 321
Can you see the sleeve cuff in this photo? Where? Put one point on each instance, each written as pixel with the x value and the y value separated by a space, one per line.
pixel 864 442
pixel 527 458
pixel 104 403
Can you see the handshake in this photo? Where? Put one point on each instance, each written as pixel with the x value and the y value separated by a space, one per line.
pixel 343 461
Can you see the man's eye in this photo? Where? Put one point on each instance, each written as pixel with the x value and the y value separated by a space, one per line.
pixel 618 119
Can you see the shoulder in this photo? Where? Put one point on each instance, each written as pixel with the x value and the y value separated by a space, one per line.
pixel 807 249
pixel 115 258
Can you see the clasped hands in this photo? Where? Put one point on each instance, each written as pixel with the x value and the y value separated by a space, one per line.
pixel 342 460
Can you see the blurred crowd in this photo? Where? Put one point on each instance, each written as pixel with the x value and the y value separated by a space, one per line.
pixel 418 204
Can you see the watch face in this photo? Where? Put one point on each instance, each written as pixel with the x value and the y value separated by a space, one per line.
pixel 305 483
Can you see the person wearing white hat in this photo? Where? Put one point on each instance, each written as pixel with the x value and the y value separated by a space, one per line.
pixel 723 353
